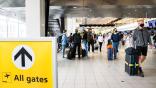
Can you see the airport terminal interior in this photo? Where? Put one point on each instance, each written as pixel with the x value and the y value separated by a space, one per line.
pixel 56 18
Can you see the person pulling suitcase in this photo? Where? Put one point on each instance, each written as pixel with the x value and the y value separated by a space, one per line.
pixel 141 37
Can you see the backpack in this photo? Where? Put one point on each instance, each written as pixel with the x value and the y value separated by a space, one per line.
pixel 59 39
pixel 115 37
pixel 70 38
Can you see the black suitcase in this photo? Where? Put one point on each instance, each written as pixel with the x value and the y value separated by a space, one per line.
pixel 110 54
pixel 71 54
pixel 131 61
pixel 84 53
pixel 131 65
pixel 96 46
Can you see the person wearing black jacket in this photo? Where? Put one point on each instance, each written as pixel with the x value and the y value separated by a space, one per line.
pixel 90 39
pixel 70 39
pixel 77 42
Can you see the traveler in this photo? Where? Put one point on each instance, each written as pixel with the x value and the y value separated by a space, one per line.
pixel 121 42
pixel 122 38
pixel 154 39
pixel 90 39
pixel 84 41
pixel 100 40
pixel 152 36
pixel 141 38
pixel 115 37
pixel 104 36
pixel 64 42
pixel 77 42
pixel 121 35
pixel 70 39
pixel 95 37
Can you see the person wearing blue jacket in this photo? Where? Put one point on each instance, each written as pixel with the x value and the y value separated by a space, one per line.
pixel 115 37
pixel 64 42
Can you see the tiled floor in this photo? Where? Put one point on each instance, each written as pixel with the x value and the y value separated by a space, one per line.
pixel 97 72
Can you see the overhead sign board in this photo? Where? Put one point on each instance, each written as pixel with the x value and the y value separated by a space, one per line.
pixel 28 63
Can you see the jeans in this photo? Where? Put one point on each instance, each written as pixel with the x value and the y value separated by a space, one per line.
pixel 63 49
pixel 115 48
pixel 85 45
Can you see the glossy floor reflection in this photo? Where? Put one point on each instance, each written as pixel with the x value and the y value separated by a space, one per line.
pixel 97 72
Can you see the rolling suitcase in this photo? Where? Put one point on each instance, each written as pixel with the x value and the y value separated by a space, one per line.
pixel 131 65
pixel 84 53
pixel 96 46
pixel 71 54
pixel 110 53
pixel 131 61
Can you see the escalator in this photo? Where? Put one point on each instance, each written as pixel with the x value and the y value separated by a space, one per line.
pixel 54 27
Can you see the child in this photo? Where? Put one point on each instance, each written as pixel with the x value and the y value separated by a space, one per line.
pixel 110 50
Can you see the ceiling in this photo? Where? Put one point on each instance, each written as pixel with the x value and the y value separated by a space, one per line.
pixel 101 2
pixel 90 8
pixel 136 11
pixel 90 3
pixel 106 8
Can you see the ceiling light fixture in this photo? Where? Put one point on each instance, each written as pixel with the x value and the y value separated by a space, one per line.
pixel 75 7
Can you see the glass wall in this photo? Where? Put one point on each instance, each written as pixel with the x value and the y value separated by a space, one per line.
pixel 73 23
pixel 11 27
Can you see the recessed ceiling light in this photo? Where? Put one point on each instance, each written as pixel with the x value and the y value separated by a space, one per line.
pixel 74 7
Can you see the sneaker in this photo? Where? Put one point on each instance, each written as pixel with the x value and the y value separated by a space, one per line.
pixel 115 58
pixel 141 74
pixel 79 57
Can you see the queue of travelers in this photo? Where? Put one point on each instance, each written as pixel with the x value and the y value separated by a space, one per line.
pixel 87 40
